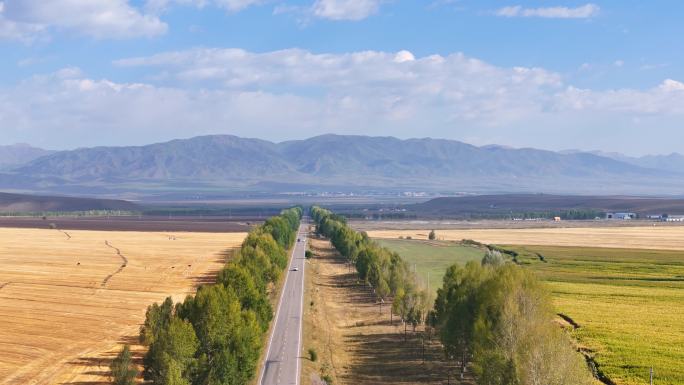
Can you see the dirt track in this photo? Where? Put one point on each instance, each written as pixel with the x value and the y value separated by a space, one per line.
pixel 59 325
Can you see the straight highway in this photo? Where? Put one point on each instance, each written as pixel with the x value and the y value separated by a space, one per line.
pixel 282 364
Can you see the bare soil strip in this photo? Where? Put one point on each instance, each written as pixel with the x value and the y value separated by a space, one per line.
pixel 354 339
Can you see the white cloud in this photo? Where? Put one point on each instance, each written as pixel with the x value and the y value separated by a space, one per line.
pixel 619 63
pixel 157 6
pixel 345 9
pixel 672 85
pixel 581 12
pixel 404 56
pixel 297 93
pixel 28 20
pixel 665 99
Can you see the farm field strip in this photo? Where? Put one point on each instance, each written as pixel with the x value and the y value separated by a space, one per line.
pixel 628 303
pixel 63 317
pixel 431 259
pixel 645 237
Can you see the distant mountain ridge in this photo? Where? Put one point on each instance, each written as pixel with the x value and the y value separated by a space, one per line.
pixel 671 162
pixel 359 162
pixel 18 154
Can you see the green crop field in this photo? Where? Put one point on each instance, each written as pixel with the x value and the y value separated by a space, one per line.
pixel 628 303
pixel 432 258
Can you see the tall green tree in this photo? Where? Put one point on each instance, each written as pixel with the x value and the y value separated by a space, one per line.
pixel 499 317
pixel 215 337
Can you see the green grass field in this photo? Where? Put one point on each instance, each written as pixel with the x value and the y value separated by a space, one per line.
pixel 432 257
pixel 628 303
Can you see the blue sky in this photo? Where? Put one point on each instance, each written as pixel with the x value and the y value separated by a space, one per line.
pixel 560 74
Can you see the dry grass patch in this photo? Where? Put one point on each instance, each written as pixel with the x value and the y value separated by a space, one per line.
pixel 69 299
pixel 644 237
pixel 354 341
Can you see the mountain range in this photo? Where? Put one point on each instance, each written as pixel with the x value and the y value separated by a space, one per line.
pixel 18 154
pixel 339 162
pixel 671 162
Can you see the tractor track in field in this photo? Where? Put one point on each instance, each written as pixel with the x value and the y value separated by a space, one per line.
pixel 120 269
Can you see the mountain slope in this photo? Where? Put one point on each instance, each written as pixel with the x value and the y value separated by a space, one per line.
pixel 673 162
pixel 18 154
pixel 335 155
pixel 358 162
pixel 200 158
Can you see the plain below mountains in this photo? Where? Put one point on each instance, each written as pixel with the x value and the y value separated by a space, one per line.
pixel 337 163
pixel 22 203
pixel 502 205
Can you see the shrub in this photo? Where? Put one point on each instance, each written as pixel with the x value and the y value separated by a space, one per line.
pixel 313 356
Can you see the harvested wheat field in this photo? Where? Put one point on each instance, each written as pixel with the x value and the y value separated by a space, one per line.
pixel 644 237
pixel 69 299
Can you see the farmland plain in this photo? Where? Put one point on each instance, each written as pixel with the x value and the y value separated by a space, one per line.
pixel 68 299
pixel 627 302
pixel 431 259
pixel 643 237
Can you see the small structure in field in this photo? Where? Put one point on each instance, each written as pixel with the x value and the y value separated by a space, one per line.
pixel 556 219
pixel 621 216
pixel 674 218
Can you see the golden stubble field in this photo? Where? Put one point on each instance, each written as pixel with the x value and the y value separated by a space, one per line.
pixel 68 300
pixel 644 237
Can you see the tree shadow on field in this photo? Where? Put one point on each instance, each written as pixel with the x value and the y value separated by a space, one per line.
pixel 389 359
pixel 381 353
pixel 209 277
pixel 99 365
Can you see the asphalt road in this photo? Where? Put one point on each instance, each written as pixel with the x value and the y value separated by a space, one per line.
pixel 285 343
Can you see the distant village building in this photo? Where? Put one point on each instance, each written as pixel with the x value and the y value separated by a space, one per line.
pixel 621 216
pixel 557 219
pixel 674 218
